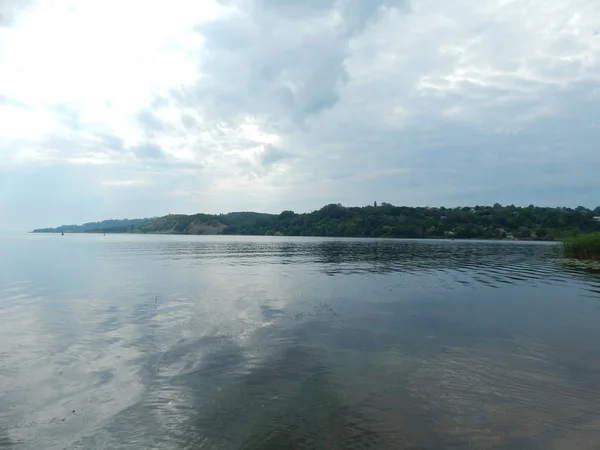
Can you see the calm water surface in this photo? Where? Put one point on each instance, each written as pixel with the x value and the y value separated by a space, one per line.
pixel 115 342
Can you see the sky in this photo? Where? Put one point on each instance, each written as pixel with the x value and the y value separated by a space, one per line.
pixel 137 108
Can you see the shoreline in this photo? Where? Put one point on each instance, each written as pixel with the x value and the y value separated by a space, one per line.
pixel 303 236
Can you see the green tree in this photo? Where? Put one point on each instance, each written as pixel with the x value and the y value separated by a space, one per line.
pixel 524 233
pixel 285 215
pixel 386 220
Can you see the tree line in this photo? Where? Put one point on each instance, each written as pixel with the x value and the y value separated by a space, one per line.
pixel 384 220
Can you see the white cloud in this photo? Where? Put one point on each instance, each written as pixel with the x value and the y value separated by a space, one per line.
pixel 257 104
pixel 123 183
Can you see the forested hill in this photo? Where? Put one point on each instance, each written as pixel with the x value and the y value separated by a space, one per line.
pixel 385 220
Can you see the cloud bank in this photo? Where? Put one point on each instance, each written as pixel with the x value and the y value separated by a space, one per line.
pixel 134 109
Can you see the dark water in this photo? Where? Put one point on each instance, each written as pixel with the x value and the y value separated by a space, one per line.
pixel 126 342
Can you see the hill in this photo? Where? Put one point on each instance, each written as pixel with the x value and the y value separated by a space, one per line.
pixel 385 220
pixel 171 224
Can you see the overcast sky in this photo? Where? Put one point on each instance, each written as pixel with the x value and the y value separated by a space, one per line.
pixel 113 108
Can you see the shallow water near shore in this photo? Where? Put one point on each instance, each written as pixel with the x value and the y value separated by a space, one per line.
pixel 191 342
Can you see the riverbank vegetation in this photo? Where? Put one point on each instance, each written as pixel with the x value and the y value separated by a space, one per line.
pixel 584 246
pixel 384 220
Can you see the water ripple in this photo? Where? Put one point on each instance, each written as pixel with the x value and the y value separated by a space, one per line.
pixel 257 343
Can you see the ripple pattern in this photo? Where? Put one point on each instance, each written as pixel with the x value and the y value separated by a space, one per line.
pixel 251 343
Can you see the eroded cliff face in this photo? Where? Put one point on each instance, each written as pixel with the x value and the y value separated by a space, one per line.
pixel 210 227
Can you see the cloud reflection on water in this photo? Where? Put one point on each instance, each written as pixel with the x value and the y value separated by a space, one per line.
pixel 251 342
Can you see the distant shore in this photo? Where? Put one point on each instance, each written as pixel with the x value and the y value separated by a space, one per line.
pixel 305 236
pixel 494 222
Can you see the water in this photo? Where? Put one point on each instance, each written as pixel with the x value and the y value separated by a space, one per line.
pixel 171 342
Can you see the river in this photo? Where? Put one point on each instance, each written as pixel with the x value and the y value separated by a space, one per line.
pixel 191 342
